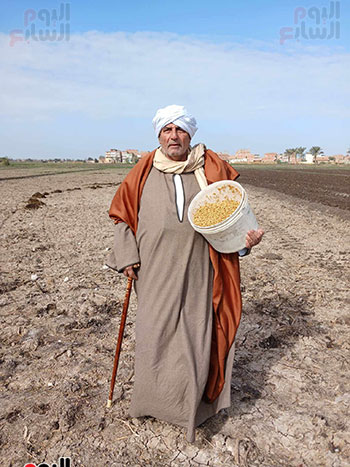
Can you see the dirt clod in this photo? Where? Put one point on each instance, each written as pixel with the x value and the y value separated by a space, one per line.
pixel 34 203
pixel 270 342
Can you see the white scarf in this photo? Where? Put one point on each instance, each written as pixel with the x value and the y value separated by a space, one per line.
pixel 193 163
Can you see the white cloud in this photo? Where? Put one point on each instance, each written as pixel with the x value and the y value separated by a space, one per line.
pixel 98 89
pixel 131 74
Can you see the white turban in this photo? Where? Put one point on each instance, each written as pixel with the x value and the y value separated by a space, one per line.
pixel 176 114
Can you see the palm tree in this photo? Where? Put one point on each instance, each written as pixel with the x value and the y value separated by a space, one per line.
pixel 301 152
pixel 290 152
pixel 287 153
pixel 315 151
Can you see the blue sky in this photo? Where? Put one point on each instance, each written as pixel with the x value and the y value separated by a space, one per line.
pixel 223 60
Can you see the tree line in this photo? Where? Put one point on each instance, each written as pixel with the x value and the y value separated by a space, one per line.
pixel 300 151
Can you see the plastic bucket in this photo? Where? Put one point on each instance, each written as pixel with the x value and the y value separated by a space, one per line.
pixel 228 235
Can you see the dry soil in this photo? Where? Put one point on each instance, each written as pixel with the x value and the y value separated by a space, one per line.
pixel 61 307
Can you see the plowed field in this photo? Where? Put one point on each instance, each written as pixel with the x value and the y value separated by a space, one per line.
pixel 60 310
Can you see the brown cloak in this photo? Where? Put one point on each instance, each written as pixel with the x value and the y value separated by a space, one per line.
pixel 227 303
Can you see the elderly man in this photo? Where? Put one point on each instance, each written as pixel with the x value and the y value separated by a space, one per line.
pixel 189 301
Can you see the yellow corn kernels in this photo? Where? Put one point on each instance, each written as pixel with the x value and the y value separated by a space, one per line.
pixel 216 210
pixel 213 213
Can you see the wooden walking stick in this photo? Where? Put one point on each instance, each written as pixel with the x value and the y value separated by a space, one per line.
pixel 119 343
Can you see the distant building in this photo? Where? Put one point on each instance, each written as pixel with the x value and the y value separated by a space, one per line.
pixel 282 157
pixel 257 159
pixel 242 155
pixel 341 159
pixel 269 158
pixel 130 156
pixel 114 156
pixel 309 158
pixel 320 159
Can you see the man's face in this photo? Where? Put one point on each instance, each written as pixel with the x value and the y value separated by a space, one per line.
pixel 175 142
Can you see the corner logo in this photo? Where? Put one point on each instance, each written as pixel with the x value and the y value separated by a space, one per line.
pixel 62 462
pixel 54 26
pixel 327 24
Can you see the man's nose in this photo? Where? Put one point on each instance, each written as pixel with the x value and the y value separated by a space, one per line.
pixel 173 133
